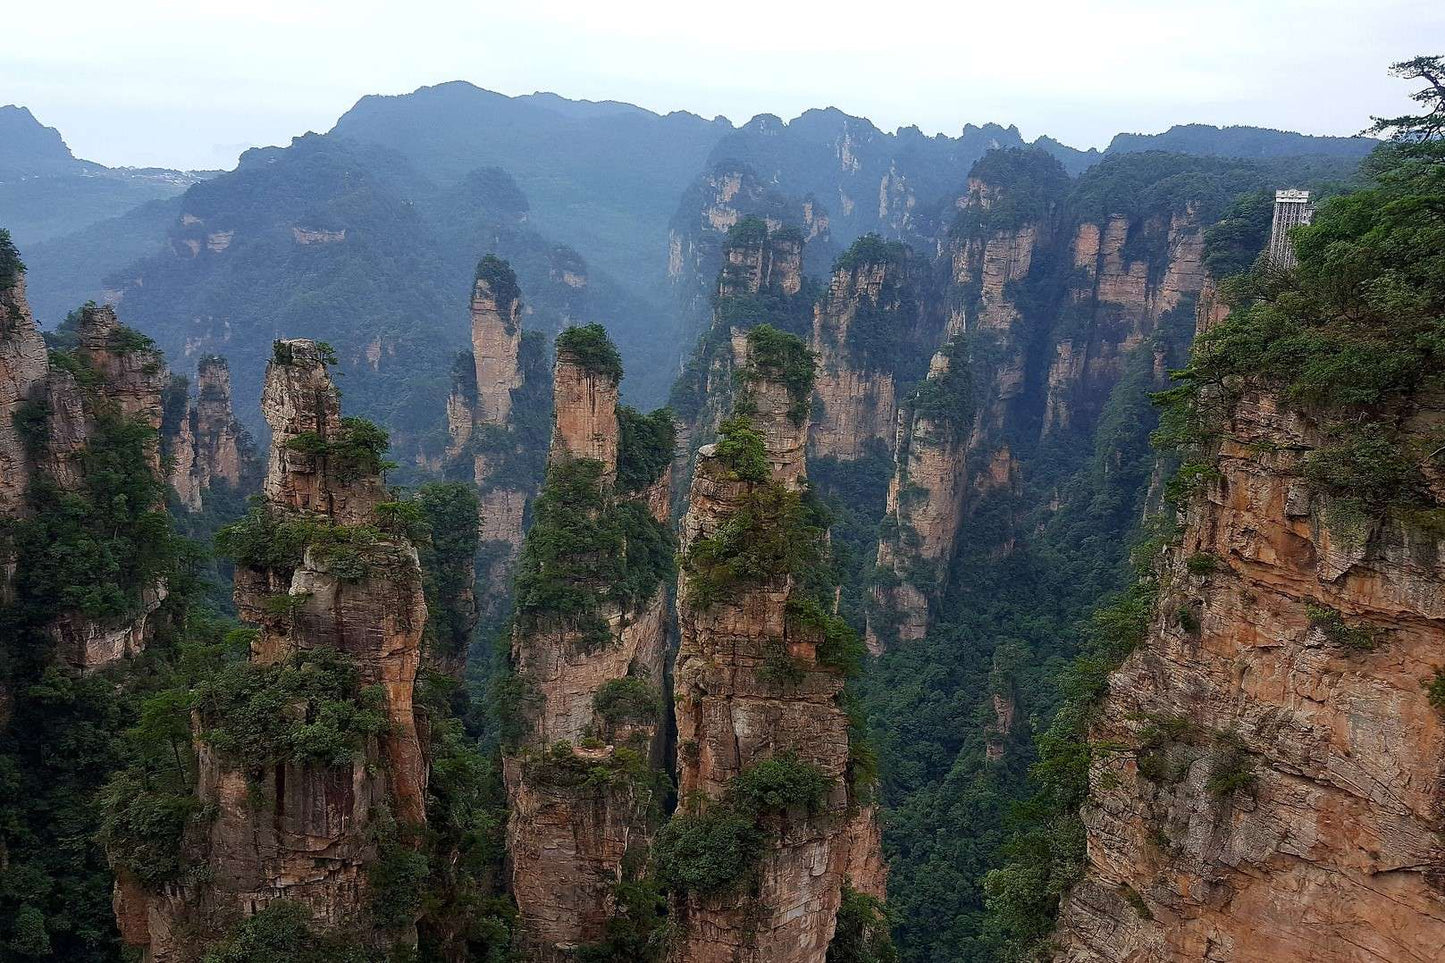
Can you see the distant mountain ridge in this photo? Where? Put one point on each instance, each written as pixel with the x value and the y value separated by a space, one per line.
pixel 46 191
pixel 1241 142
pixel 610 186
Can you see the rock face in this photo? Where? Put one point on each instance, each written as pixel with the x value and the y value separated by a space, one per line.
pixel 306 831
pixel 923 515
pixel 113 373
pixel 205 442
pixel 731 715
pixel 761 265
pixel 1276 794
pixel 585 422
pixel 582 782
pixel 1122 299
pixel 483 431
pixel 496 340
pixel 23 366
pixel 869 309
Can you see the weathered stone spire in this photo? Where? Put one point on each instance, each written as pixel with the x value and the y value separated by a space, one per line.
pixel 496 339
pixel 22 369
pixel 860 327
pixel 584 397
pixel 582 780
pixel 324 577
pixel 758 683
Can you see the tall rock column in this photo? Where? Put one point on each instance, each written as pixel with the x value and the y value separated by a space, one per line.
pixel 205 442
pixel 583 775
pixel 23 367
pixel 760 673
pixel 496 339
pixel 926 497
pixel 335 592
pixel 861 329
pixel 760 282
pixel 485 440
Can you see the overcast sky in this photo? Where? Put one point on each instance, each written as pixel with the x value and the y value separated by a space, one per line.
pixel 191 84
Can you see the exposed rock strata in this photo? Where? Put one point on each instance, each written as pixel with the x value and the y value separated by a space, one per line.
pixel 1327 848
pixel 729 716
pixel 305 831
pixel 567 838
pixel 856 393
pixel 480 422
pixel 206 443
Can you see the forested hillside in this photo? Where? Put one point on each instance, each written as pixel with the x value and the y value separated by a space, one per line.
pixel 1026 566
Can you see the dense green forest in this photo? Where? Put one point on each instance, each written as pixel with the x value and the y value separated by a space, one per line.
pixel 973 739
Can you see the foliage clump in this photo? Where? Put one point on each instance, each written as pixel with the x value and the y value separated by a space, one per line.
pixel 775 532
pixel 589 347
pixel 282 933
pixel 861 934
pixel 645 446
pixel 714 850
pixel 776 355
pixel 1337 632
pixel 501 279
pixel 11 267
pixel 871 250
pixel 583 549
pixel 356 452
pixel 628 699
pixel 311 708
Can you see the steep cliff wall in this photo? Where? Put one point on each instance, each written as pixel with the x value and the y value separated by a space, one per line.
pixel 1265 782
pixel 1129 273
pixel 861 331
pixel 763 741
pixel 587 654
pixel 760 282
pixel 22 367
pixel 335 592
pixel 1278 791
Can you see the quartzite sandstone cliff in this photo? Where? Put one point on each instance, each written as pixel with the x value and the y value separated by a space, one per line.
pixel 731 715
pixel 1275 793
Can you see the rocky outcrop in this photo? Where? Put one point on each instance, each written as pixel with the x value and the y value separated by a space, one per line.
pixel 583 781
pixel 1122 296
pixel 205 442
pixel 584 400
pixel 1275 793
pixel 760 281
pixel 484 440
pixel 496 339
pixel 859 327
pixel 23 367
pixel 925 504
pixel 304 829
pixel 51 414
pixel 736 709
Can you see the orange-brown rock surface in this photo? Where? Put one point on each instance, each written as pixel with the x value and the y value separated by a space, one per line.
pixel 856 391
pixel 306 831
pixel 731 715
pixel 583 788
pixel 480 422
pixel 1325 844
pixel 1123 300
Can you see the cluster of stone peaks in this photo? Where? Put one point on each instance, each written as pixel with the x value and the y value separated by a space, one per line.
pixel 53 405
pixel 295 828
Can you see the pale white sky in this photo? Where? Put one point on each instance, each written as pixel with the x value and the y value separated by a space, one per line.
pixel 191 83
